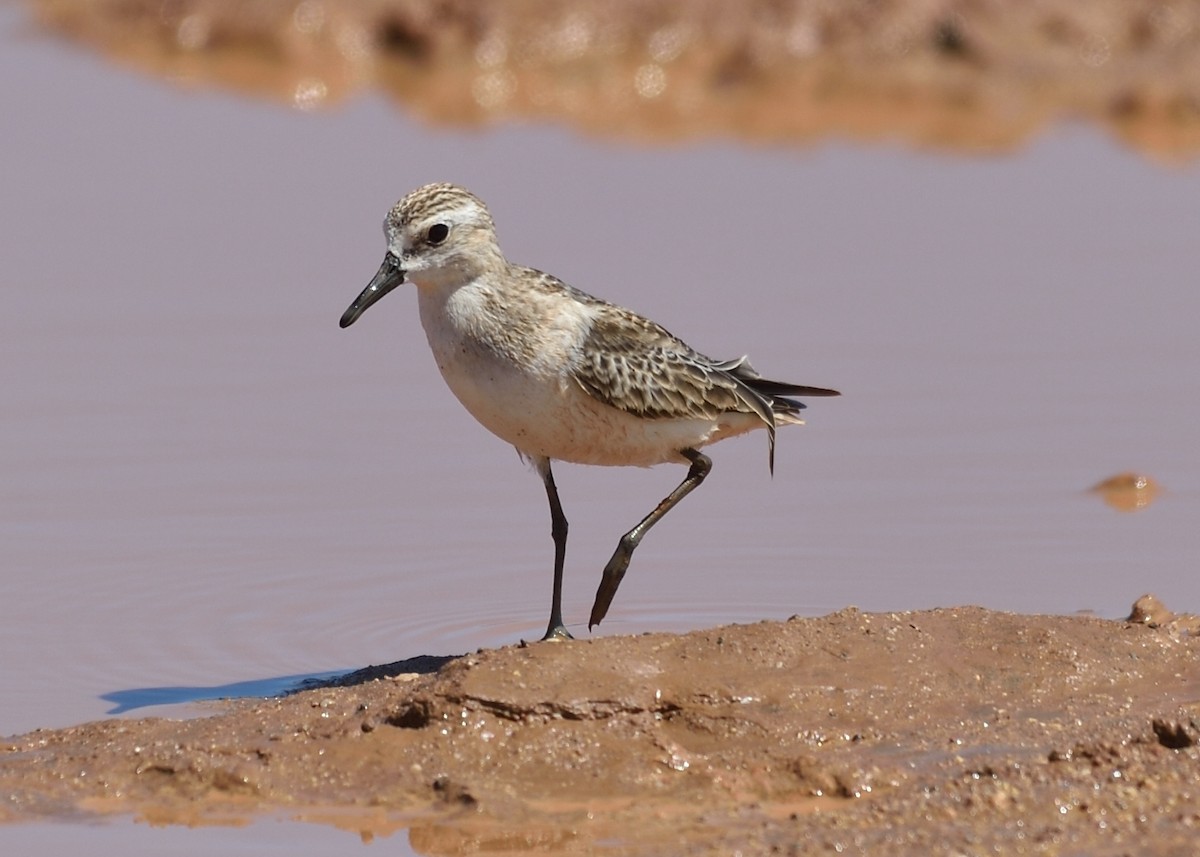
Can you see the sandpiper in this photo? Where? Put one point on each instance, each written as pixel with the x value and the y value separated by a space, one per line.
pixel 561 375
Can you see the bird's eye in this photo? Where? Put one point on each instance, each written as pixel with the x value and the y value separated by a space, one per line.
pixel 437 233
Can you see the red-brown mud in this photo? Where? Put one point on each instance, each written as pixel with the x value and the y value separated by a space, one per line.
pixel 944 731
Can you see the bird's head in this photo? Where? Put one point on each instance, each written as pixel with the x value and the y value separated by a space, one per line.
pixel 438 236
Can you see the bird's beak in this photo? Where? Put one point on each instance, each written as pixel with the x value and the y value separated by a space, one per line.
pixel 389 276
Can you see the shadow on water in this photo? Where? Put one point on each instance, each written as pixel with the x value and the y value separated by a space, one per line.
pixel 144 697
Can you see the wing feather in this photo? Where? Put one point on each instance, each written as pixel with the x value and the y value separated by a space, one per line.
pixel 636 365
pixel 639 367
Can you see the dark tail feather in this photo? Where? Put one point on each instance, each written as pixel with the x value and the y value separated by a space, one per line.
pixel 780 405
pixel 744 372
pixel 780 388
pixel 779 394
pixel 769 398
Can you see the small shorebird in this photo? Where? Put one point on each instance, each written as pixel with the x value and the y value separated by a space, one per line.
pixel 562 375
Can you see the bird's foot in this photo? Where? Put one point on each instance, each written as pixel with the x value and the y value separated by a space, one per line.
pixel 609 581
pixel 557 631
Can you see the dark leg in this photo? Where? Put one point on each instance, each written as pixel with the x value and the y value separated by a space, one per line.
pixel 615 570
pixel 558 530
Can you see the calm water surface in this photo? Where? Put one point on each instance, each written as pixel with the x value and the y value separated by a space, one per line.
pixel 208 483
pixel 126 838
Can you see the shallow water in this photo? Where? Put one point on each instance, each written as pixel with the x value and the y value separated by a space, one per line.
pixel 123 837
pixel 207 482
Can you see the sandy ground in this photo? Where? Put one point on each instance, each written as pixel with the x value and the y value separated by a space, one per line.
pixel 950 731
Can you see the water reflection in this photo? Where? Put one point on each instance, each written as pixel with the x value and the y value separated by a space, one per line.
pixel 1127 492
pixel 977 77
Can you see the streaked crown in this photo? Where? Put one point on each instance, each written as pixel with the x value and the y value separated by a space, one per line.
pixel 442 229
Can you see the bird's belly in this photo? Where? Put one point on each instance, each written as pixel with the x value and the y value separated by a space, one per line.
pixel 551 416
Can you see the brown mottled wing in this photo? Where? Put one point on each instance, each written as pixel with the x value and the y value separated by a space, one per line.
pixel 633 364
pixel 636 365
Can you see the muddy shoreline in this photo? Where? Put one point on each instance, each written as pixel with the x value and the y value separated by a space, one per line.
pixel 945 731
pixel 958 75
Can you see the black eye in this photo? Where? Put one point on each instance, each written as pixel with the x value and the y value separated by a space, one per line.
pixel 437 233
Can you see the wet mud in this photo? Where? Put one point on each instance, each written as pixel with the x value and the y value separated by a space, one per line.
pixel 945 731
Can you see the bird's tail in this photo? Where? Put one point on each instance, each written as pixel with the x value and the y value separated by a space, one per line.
pixel 777 393
pixel 775 396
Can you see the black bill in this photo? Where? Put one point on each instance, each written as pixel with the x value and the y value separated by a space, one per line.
pixel 389 276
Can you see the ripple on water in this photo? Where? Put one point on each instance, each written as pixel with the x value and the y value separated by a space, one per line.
pixel 277 653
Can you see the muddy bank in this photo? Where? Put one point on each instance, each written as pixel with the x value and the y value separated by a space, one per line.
pixel 944 731
pixel 959 74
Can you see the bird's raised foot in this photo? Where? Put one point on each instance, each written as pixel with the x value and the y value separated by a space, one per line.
pixel 610 579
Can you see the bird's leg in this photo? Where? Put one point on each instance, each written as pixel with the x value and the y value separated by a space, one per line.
pixel 615 570
pixel 558 530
